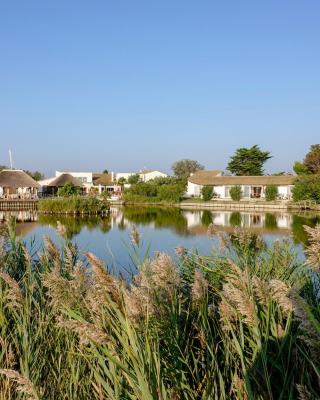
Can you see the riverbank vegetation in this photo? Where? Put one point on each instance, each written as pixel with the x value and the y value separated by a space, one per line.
pixel 73 205
pixel 243 323
pixel 159 190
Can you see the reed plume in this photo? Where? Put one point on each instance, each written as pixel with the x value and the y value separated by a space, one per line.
pixel 14 294
pixel 23 384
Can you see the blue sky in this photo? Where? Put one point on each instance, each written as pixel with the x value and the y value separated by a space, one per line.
pixel 122 85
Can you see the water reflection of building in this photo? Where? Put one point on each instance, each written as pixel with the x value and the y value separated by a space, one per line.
pixel 20 216
pixel 225 219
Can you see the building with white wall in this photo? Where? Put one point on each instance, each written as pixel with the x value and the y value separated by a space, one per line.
pixel 252 187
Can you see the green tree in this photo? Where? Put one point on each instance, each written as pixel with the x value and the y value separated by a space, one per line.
pixel 307 187
pixel 207 193
pixel 184 168
pixel 36 175
pixel 105 171
pixel 271 192
pixel 236 193
pixel 300 169
pixel 133 179
pixel 248 161
pixel 312 159
pixel 122 181
pixel 69 189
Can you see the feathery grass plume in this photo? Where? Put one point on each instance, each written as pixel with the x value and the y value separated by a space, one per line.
pixel 308 323
pixel 236 297
pixel 199 287
pixel 211 231
pixel 238 388
pixel 181 251
pixel 51 249
pixel 61 229
pixel 14 295
pixel 63 292
pixel 303 393
pixel 261 290
pixel 313 250
pixel 6 349
pixel 86 331
pixel 139 303
pixel 23 384
pixel 2 246
pixel 280 293
pixel 135 236
pixel 103 282
pixel 165 274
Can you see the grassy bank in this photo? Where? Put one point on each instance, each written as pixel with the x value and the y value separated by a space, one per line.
pixel 243 323
pixel 73 205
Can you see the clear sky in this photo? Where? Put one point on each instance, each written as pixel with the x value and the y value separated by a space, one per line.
pixel 123 84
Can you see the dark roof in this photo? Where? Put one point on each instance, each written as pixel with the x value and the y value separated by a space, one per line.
pixel 16 179
pixel 211 179
pixel 62 179
pixel 104 180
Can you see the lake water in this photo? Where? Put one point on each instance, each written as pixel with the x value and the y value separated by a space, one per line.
pixel 161 229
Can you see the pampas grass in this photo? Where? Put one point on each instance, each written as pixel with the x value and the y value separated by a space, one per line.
pixel 240 324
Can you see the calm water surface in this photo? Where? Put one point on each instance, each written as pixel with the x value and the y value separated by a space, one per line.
pixel 161 229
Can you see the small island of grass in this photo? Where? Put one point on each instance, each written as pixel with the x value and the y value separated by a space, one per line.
pixel 73 205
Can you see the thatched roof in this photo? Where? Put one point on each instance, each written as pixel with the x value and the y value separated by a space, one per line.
pixel 17 179
pixel 62 179
pixel 104 180
pixel 206 178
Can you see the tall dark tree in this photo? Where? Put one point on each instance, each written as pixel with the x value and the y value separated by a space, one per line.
pixel 248 161
pixel 183 168
pixel 312 159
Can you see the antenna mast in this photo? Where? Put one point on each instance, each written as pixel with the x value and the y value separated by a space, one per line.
pixel 10 158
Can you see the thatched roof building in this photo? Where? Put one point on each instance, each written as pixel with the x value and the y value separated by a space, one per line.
pixel 62 179
pixel 211 178
pixel 104 180
pixel 16 179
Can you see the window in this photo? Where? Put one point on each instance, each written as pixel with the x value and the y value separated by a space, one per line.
pixel 227 191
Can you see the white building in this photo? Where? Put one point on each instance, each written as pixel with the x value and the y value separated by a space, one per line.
pixel 252 187
pixel 145 175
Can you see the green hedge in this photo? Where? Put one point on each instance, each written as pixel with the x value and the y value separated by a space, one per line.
pixel 73 205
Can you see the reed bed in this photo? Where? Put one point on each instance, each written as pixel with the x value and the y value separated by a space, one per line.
pixel 73 205
pixel 242 323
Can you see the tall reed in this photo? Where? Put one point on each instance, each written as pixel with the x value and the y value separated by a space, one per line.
pixel 242 323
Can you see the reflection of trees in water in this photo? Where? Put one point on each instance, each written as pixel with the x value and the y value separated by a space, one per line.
pixel 161 217
pixel 271 221
pixel 235 219
pixel 74 225
pixel 207 218
pixel 298 232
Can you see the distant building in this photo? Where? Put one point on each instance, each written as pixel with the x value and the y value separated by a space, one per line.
pixel 252 187
pixel 148 175
pixel 16 184
pixel 145 175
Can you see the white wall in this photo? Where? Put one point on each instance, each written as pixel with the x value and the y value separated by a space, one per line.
pixel 193 190
pixel 152 175
pixel 124 175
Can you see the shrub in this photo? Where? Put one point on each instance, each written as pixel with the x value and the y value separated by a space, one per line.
pixel 170 193
pixel 68 190
pixel 207 193
pixel 271 193
pixel 236 193
pixel 134 179
pixel 307 187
